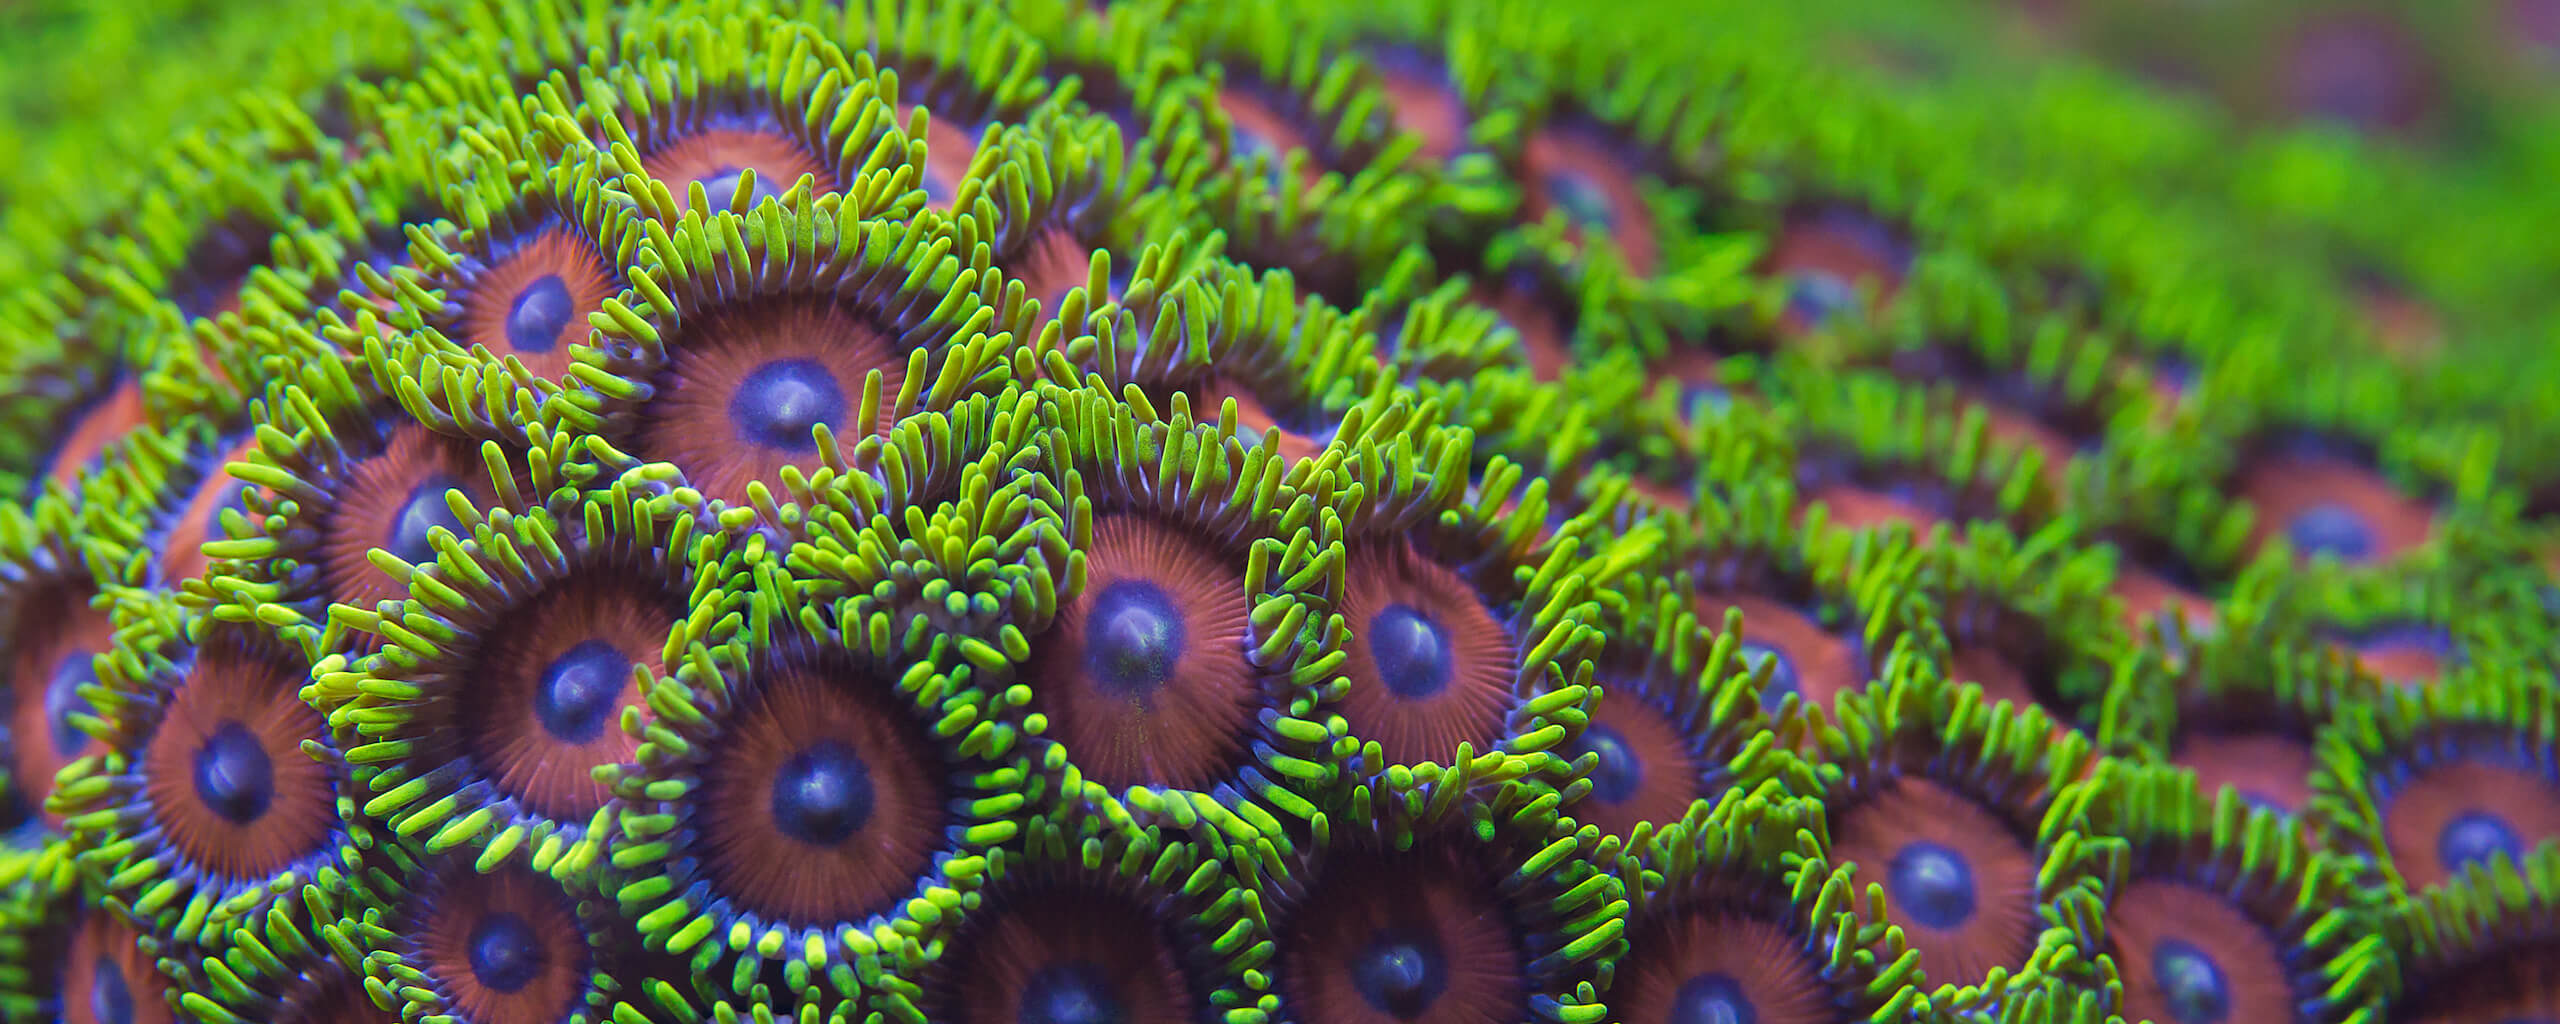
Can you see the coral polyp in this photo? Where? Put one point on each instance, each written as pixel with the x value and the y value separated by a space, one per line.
pixel 523 281
pixel 105 974
pixel 57 631
pixel 2435 784
pixel 1959 838
pixel 1466 634
pixel 1175 667
pixel 738 387
pixel 1085 919
pixel 1451 511
pixel 1735 913
pixel 2222 911
pixel 220 786
pixel 801 811
pixel 2469 951
pixel 1676 725
pixel 1835 261
pixel 521 665
pixel 1467 937
pixel 694 125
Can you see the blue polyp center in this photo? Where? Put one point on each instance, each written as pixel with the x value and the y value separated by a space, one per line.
pixel 781 403
pixel 579 691
pixel 1412 652
pixel 1074 992
pixel 2332 528
pixel 823 794
pixel 541 311
pixel 2190 982
pixel 720 185
pixel 1815 296
pixel 1712 999
pixel 234 778
pixel 1401 972
pixel 2175 370
pixel 422 512
pixel 1391 339
pixel 1782 673
pixel 110 1001
pixel 2356 101
pixel 1132 638
pixel 1701 401
pixel 1250 145
pixel 1933 884
pixel 62 699
pixel 2353 81
pixel 2264 801
pixel 2476 836
pixel 1619 772
pixel 1581 199
pixel 505 953
pixel 1905 491
pixel 939 189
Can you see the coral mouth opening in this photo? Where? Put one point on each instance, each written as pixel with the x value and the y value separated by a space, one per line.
pixel 552 683
pixel 534 301
pixel 1644 770
pixel 228 782
pixel 1825 256
pixel 1065 953
pixel 2321 500
pixel 1713 964
pixel 824 805
pixel 1403 937
pixel 1431 666
pixel 747 388
pixel 395 500
pixel 1957 880
pixel 1144 675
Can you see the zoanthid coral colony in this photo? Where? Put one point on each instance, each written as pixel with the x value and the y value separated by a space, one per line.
pixel 1436 511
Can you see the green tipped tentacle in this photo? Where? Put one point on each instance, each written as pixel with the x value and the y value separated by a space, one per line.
pixel 57 600
pixel 2028 610
pixel 2482 935
pixel 977 562
pixel 787 81
pixel 1289 367
pixel 1069 214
